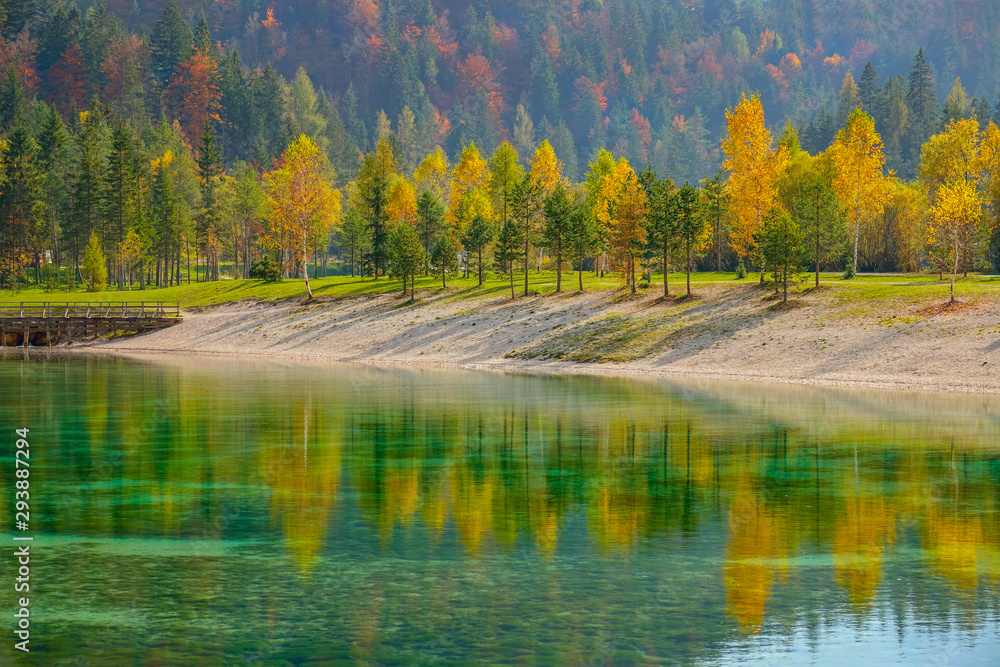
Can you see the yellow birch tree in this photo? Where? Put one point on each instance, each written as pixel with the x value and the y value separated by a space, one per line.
pixel 432 174
pixel 755 165
pixel 546 169
pixel 953 218
pixel 959 154
pixel 402 203
pixel 471 172
pixel 301 201
pixel 858 177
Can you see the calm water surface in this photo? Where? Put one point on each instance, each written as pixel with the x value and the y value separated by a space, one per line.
pixel 208 512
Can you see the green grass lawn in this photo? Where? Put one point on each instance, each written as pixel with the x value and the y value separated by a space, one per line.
pixel 856 292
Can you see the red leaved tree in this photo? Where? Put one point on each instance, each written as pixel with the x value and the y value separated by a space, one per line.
pixel 193 94
pixel 68 80
pixel 122 68
pixel 21 52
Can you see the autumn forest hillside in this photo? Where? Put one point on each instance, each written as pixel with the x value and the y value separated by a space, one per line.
pixel 648 79
pixel 161 143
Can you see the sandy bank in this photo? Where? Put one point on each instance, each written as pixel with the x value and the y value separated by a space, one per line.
pixel 725 332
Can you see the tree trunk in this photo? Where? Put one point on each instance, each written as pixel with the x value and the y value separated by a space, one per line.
pixel 857 235
pixel 480 266
pixel 559 266
pixel 305 269
pixel 581 274
pixel 817 254
pixel 666 271
pixel 954 272
pixel 718 245
pixel 527 266
pixel 689 268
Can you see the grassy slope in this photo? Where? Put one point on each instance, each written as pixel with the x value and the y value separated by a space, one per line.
pixel 861 295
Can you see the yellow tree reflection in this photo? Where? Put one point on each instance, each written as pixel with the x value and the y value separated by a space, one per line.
pixel 867 525
pixel 304 477
pixel 755 556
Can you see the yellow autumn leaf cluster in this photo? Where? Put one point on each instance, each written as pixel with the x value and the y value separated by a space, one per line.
pixel 546 169
pixel 858 177
pixel 755 165
pixel 954 218
pixel 302 203
pixel 620 210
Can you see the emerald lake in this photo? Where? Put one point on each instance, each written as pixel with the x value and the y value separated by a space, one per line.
pixel 204 511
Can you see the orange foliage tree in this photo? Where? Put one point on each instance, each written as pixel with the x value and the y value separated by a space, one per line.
pixel 68 80
pixel 122 68
pixel 620 209
pixel 193 93
pixel 21 53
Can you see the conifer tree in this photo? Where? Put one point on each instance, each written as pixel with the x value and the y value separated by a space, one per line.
pixel 406 255
pixel 692 228
pixel 444 258
pixel 267 93
pixel 822 221
pixel 12 101
pixel 849 100
pixel 18 199
pixel 209 161
pixel 430 223
pixel 87 174
pixel 527 200
pixel 869 93
pixel 925 111
pixel 119 205
pixel 555 232
pixel 582 238
pixel 780 240
pixel 661 225
pixel 353 237
pixel 477 237
pixel 172 42
pixel 373 183
pixel 716 209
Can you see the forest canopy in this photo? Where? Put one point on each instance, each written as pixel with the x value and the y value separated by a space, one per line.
pixel 160 129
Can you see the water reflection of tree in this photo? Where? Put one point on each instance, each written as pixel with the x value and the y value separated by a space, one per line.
pixel 502 462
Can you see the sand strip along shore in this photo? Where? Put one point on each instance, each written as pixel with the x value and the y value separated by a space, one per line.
pixel 734 332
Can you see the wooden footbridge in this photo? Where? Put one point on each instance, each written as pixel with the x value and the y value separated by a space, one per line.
pixel 50 323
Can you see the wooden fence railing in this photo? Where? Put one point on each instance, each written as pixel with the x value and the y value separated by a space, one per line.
pixel 91 309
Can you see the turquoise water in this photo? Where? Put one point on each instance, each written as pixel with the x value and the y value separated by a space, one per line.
pixel 204 511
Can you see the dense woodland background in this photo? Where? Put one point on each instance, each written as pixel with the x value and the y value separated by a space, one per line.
pixel 205 89
pixel 648 79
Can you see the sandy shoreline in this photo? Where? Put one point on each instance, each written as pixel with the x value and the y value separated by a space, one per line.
pixel 726 333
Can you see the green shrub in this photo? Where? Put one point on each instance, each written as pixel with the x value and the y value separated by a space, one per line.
pixel 265 269
pixel 95 272
pixel 50 278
